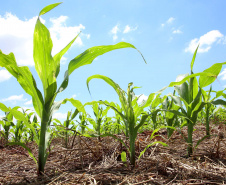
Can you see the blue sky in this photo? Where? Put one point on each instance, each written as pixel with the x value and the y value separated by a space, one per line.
pixel 166 33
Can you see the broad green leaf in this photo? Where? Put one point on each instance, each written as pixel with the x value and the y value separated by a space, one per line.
pixel 44 62
pixel 112 105
pixel 25 78
pixel 90 54
pixel 74 114
pixel 56 120
pixel 183 91
pixel 116 87
pixel 219 102
pixel 214 70
pixel 75 103
pixel 142 121
pixel 48 8
pixel 195 89
pixel 59 55
pixel 201 74
pixel 3 107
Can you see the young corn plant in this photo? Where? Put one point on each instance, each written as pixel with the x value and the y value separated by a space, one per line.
pixel 48 68
pixel 7 123
pixel 190 94
pixel 171 119
pixel 67 123
pixel 82 122
pixel 64 128
pixel 100 115
pixel 210 103
pixel 131 113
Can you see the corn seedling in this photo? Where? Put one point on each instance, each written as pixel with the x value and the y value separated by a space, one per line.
pixel 131 113
pixel 48 68
pixel 171 119
pixel 100 115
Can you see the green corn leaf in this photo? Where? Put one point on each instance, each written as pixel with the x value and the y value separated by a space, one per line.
pixel 44 62
pixel 59 55
pixel 123 157
pixel 112 106
pixel 3 107
pixel 214 70
pixel 201 140
pixel 57 121
pixel 201 74
pixel 193 58
pixel 219 102
pixel 26 148
pixel 90 54
pixel 25 78
pixel 116 87
pixel 142 121
pixel 196 100
pixel 20 116
pixel 75 103
pixel 156 142
pixel 196 110
pixel 48 8
pixel 74 114
pixel 183 91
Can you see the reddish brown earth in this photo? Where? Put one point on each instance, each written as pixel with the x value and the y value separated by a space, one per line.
pixel 99 162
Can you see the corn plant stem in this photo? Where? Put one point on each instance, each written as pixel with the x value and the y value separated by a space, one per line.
pixel 132 150
pixel 41 152
pixel 207 120
pixel 190 142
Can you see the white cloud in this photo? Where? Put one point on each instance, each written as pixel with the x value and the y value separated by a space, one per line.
pixel 4 75
pixel 16 36
pixel 60 116
pixel 114 31
pixel 142 98
pixel 28 102
pixel 129 29
pixel 169 21
pixel 14 98
pixel 74 95
pixel 115 37
pixel 205 41
pixel 223 74
pixel 177 31
pixel 61 34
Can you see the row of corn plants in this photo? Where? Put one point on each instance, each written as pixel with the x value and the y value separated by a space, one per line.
pixel 170 111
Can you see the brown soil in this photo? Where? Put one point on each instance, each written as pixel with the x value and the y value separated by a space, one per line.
pixel 99 162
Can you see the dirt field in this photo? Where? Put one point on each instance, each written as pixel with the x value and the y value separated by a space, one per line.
pixel 95 162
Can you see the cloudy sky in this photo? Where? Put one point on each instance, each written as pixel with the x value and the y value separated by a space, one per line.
pixel 166 33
